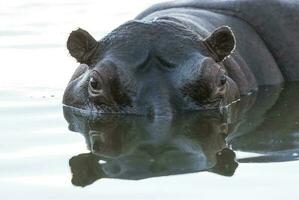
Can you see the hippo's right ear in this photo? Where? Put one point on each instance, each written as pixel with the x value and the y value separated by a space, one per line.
pixel 221 43
pixel 82 46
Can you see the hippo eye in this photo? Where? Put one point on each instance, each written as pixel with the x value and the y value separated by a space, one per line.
pixel 222 80
pixel 94 83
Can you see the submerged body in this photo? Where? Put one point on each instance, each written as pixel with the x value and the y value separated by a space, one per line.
pixel 184 56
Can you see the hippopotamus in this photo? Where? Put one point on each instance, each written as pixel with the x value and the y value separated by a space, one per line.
pixel 185 55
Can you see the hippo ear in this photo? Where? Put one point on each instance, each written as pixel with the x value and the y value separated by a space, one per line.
pixel 221 43
pixel 82 46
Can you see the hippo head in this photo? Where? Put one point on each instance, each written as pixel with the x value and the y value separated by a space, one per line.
pixel 155 68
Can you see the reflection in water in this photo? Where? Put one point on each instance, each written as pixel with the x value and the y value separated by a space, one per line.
pixel 271 128
pixel 132 147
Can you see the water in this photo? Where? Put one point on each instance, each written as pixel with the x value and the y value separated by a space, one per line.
pixel 249 151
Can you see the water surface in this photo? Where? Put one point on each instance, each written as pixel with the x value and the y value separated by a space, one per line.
pixel 255 147
pixel 249 151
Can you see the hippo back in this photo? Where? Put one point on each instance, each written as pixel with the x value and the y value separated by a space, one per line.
pixel 276 21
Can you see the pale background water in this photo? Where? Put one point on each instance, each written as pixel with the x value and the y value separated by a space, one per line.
pixel 35 143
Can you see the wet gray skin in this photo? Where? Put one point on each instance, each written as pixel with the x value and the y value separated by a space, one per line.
pixel 155 68
pixel 184 56
pixel 131 147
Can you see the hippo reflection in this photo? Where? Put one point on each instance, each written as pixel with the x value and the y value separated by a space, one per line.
pixel 184 56
pixel 135 147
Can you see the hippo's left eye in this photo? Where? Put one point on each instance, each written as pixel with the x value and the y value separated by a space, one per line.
pixel 222 80
pixel 93 83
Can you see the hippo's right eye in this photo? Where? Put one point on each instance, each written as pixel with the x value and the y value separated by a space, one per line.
pixel 222 80
pixel 93 83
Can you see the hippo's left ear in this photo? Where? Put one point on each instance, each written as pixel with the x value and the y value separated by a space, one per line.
pixel 82 46
pixel 221 43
